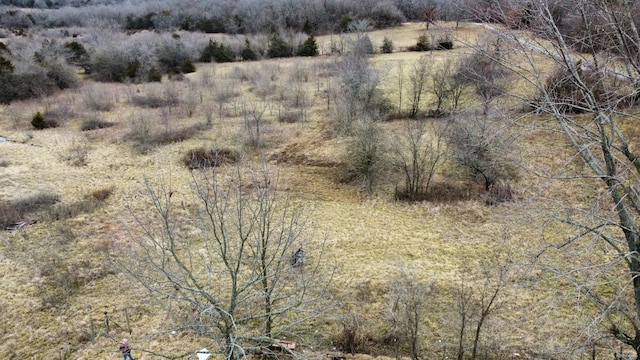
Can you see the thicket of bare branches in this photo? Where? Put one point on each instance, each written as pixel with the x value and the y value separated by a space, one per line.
pixel 223 263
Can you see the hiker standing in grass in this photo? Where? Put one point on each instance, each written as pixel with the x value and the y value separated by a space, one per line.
pixel 125 349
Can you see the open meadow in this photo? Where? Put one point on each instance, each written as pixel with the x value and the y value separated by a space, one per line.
pixel 65 293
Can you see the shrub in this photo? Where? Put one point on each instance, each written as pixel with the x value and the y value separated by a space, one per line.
pixel 290 116
pixel 77 153
pixel 93 123
pixel 448 192
pixel 38 121
pixel 32 83
pixel 58 115
pixel 217 52
pixel 5 65
pixel 207 25
pixel 569 96
pixel 500 192
pixel 154 75
pixel 201 157
pixel 188 67
pixel 62 211
pixel 386 14
pixel 177 135
pixel 78 55
pixel 387 46
pixel 423 44
pixel 98 100
pixel 102 194
pixel 112 65
pixel 13 211
pixel 143 22
pixel 153 101
pixel 308 48
pixel 363 46
pixel 444 44
pixel 278 48
pixel 352 337
pixel 247 53
pixel 172 56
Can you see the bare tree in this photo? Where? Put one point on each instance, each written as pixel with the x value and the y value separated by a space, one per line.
pixel 447 89
pixel 608 218
pixel 418 81
pixel 485 71
pixel 416 152
pixel 484 146
pixel 254 123
pixel 408 296
pixel 358 93
pixel 366 151
pixel 229 277
pixel 400 79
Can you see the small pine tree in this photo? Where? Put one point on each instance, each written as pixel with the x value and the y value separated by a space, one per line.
pixel 188 67
pixel 278 48
pixel 308 27
pixel 217 52
pixel 38 122
pixel 6 66
pixel 387 46
pixel 78 55
pixel 247 53
pixel 423 44
pixel 133 67
pixel 154 75
pixel 308 48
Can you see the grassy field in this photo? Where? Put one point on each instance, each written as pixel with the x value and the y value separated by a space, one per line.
pixel 368 238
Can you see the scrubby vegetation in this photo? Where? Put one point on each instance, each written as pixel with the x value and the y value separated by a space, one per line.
pixel 321 155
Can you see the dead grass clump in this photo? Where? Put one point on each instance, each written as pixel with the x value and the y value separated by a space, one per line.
pixel 290 117
pixel 14 211
pixel 202 157
pixel 101 194
pixel 64 280
pixel 77 153
pixel 446 192
pixel 94 123
pixel 353 336
pixel 59 114
pixel 98 100
pixel 62 211
pixel 177 135
pixel 39 122
pixel 154 101
pixel 500 192
pixel 90 203
pixel 157 97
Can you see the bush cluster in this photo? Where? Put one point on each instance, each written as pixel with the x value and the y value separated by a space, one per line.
pixel 142 60
pixel 569 95
pixel 39 122
pixel 94 123
pixel 425 44
pixel 42 75
pixel 202 157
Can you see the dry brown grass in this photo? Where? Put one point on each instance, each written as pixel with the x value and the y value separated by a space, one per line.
pixel 367 237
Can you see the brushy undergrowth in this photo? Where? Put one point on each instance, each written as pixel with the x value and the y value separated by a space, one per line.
pixel 202 157
pixel 12 211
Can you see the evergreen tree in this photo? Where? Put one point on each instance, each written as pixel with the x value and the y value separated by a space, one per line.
pixel 217 52
pixel 247 53
pixel 278 48
pixel 308 48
